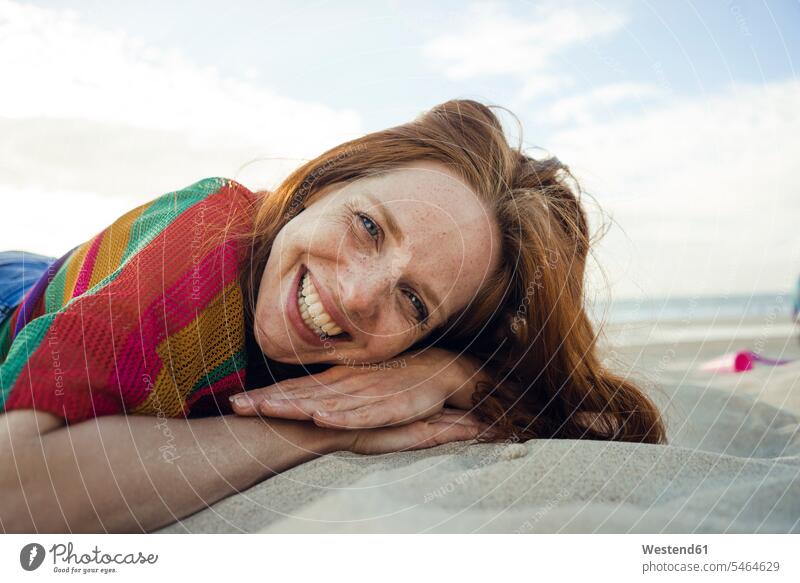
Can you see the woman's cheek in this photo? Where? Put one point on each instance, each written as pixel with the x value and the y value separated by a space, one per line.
pixel 385 348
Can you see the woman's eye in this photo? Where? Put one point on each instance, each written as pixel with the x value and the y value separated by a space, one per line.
pixel 373 229
pixel 419 306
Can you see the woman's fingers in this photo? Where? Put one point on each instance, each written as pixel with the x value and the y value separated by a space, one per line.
pixel 448 415
pixel 445 432
pixel 306 408
pixel 465 418
pixel 455 425
pixel 243 404
pixel 316 392
pixel 248 403
pixel 422 434
pixel 386 413
pixel 372 415
pixel 379 413
pixel 444 427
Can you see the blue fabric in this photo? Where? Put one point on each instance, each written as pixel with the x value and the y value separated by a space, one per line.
pixel 19 271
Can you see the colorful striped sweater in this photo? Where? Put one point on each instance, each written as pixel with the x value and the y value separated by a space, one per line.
pixel 144 318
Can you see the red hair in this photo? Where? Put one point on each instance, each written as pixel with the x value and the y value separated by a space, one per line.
pixel 528 323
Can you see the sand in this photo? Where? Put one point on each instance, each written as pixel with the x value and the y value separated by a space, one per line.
pixel 732 463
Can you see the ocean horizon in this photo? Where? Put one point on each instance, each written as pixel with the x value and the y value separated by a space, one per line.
pixel 690 309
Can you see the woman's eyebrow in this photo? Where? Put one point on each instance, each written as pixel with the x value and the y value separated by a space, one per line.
pixel 397 233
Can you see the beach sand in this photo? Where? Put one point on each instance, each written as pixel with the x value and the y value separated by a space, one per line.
pixel 673 352
pixel 732 463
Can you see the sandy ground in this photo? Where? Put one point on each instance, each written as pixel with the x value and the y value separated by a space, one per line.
pixel 656 353
pixel 732 463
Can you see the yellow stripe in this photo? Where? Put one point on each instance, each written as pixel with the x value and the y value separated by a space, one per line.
pixel 73 269
pixel 193 352
pixel 113 246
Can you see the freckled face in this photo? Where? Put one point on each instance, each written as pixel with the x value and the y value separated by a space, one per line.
pixel 378 262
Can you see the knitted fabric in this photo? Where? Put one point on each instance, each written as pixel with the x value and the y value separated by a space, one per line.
pixel 144 318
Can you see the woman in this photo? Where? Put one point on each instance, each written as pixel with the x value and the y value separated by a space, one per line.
pixel 418 285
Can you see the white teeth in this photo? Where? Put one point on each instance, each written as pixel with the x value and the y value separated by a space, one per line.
pixel 331 329
pixel 313 312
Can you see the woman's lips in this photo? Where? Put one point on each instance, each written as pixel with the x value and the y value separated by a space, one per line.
pixel 293 312
pixel 330 307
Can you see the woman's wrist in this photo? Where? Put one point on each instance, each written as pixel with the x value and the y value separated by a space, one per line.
pixel 459 374
pixel 332 440
pixel 470 372
pixel 310 438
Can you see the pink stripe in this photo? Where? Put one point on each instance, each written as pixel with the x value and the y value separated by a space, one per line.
pixel 85 274
pixel 224 387
pixel 184 303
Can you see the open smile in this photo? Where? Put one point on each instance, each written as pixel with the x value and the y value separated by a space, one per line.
pixel 314 315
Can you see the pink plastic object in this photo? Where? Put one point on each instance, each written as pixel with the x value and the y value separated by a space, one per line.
pixel 739 362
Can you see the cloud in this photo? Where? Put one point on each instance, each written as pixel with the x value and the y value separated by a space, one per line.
pixel 103 83
pixel 701 188
pixel 92 114
pixel 582 108
pixel 490 41
pixel 704 187
pixel 52 220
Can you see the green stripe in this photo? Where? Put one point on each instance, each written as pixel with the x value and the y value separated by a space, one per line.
pixel 155 219
pixel 166 209
pixel 5 336
pixel 54 294
pixel 25 344
pixel 234 363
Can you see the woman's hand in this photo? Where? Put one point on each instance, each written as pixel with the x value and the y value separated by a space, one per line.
pixel 410 387
pixel 446 426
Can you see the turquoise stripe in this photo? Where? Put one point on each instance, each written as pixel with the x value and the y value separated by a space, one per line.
pixel 24 345
pixel 157 217
pixel 236 362
pixel 166 209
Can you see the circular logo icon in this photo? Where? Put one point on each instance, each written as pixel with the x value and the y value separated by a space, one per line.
pixel 31 556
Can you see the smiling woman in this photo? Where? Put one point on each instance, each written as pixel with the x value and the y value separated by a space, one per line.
pixel 413 270
pixel 373 266
pixel 435 238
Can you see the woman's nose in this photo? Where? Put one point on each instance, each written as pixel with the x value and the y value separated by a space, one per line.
pixel 363 294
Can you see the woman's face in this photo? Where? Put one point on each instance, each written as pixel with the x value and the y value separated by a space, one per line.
pixel 369 268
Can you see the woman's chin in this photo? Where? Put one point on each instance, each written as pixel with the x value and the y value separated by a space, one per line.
pixel 283 353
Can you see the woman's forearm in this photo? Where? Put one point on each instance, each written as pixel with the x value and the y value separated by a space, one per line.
pixel 135 473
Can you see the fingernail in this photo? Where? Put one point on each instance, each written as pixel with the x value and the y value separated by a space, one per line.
pixel 321 413
pixel 241 401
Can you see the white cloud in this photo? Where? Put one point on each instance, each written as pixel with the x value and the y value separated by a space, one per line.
pixel 489 40
pixel 542 85
pixel 582 108
pixel 63 69
pixel 88 114
pixel 52 221
pixel 702 188
pixel 704 191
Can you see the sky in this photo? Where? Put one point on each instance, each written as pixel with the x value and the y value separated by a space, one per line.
pixel 680 119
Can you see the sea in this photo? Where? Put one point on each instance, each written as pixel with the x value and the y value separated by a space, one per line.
pixel 699 319
pixel 776 306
